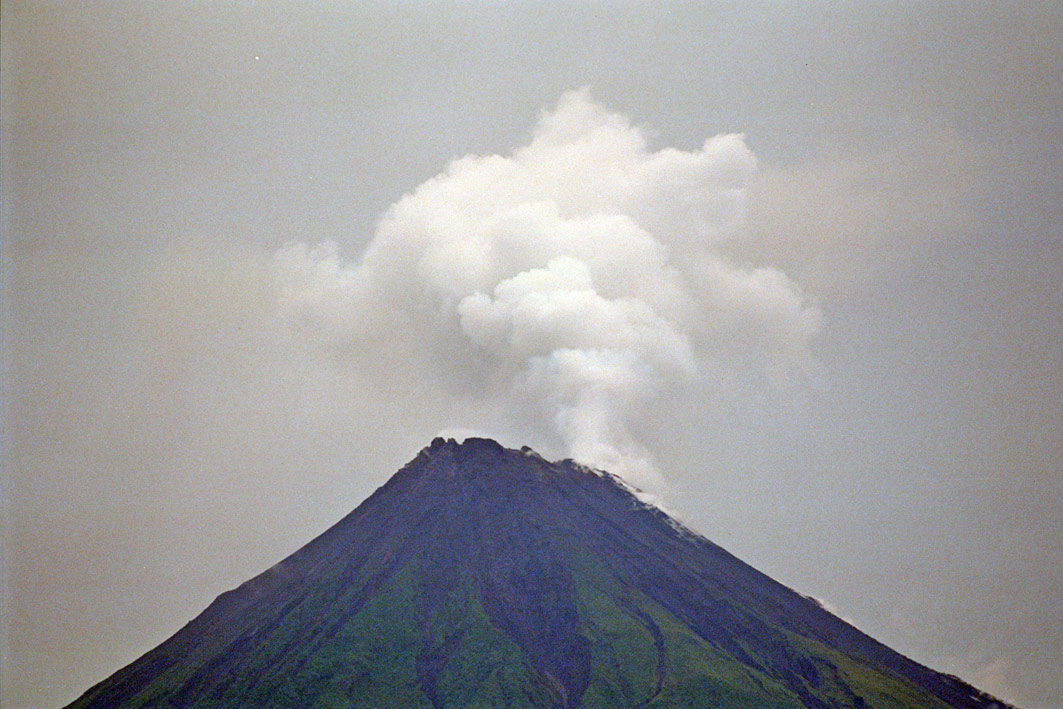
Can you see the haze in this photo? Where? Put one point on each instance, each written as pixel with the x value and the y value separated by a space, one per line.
pixel 241 287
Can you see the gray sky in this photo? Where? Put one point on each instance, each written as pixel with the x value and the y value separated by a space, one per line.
pixel 173 426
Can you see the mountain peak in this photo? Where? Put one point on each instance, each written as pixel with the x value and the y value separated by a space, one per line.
pixel 484 459
pixel 483 575
pixel 470 449
pixel 471 443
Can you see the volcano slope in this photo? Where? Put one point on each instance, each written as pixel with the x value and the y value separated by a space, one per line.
pixel 480 576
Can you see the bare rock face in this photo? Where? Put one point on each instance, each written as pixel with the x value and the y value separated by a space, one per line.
pixel 489 577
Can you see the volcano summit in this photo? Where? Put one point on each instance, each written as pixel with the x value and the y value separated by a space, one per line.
pixel 489 577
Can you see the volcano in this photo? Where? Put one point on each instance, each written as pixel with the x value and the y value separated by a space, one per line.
pixel 481 576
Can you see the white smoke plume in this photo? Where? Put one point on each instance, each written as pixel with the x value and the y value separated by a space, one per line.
pixel 579 277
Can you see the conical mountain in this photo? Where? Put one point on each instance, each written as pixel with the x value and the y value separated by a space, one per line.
pixel 480 576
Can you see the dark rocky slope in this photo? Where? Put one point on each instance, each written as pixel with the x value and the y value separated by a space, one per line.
pixel 483 576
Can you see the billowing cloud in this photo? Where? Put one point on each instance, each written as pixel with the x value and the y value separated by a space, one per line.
pixel 580 276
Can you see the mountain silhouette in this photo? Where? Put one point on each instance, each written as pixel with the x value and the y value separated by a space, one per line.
pixel 481 576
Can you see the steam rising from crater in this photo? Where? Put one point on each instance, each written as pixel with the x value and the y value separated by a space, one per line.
pixel 580 277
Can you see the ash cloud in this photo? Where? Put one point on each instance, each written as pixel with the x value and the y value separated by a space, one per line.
pixel 573 281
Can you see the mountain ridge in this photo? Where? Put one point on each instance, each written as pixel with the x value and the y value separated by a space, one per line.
pixel 479 575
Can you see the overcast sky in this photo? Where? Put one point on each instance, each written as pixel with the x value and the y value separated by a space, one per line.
pixel 235 300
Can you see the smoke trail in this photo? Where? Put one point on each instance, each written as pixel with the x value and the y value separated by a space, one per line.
pixel 580 274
